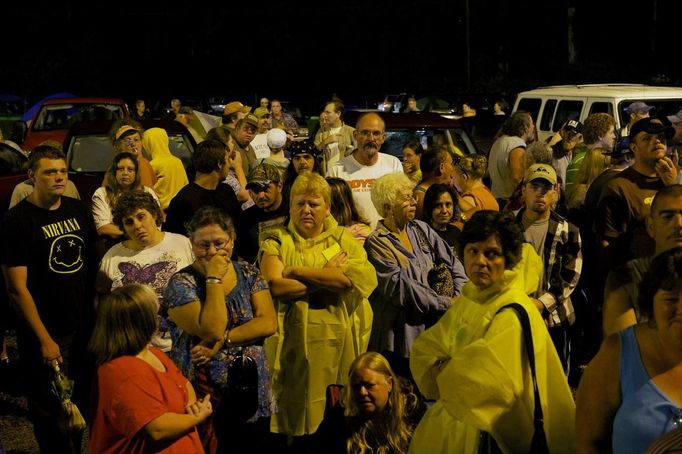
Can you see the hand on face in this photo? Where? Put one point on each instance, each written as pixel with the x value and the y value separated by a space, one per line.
pixel 666 169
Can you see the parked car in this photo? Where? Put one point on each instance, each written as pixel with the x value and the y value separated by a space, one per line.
pixel 56 116
pixel 552 106
pixel 426 126
pixel 89 151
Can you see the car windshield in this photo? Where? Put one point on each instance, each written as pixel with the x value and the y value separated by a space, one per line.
pixel 455 137
pixel 62 116
pixel 95 153
pixel 661 108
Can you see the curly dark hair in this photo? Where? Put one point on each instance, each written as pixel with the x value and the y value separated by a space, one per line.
pixel 502 224
pixel 665 273
pixel 131 201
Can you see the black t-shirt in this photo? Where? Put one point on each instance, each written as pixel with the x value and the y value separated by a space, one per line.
pixel 624 204
pixel 56 247
pixel 192 197
pixel 256 221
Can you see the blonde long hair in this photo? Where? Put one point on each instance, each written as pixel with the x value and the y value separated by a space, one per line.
pixel 388 433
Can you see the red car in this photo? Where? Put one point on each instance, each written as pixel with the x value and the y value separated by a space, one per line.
pixel 56 116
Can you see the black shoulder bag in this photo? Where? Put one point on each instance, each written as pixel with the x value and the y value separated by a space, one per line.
pixel 538 444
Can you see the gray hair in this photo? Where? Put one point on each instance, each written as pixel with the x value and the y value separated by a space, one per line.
pixel 538 153
pixel 385 190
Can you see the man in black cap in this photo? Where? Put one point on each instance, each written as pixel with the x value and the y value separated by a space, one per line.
pixel 270 209
pixel 626 199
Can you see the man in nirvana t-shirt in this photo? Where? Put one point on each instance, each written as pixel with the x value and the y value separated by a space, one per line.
pixel 46 245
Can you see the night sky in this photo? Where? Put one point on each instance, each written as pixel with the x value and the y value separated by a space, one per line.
pixel 358 50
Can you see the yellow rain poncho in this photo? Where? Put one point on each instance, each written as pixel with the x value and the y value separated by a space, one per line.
pixel 320 335
pixel 170 173
pixel 487 384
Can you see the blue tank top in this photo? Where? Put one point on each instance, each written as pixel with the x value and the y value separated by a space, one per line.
pixel 645 412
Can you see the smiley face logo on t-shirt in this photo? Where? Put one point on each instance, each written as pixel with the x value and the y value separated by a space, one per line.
pixel 66 254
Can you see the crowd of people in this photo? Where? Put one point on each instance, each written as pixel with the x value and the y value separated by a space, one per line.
pixel 322 296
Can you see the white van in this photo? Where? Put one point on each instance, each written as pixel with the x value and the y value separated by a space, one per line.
pixel 552 106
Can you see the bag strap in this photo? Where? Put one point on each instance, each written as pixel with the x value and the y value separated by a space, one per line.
pixel 423 236
pixel 520 311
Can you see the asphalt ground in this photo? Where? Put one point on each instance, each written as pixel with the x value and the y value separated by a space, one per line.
pixel 16 431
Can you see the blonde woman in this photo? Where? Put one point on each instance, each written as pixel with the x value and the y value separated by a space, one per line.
pixel 468 179
pixel 376 414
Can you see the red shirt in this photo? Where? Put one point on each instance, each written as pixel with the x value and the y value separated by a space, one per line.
pixel 131 395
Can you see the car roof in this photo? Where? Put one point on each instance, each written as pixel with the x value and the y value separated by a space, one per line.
pixel 84 101
pixel 407 120
pixel 607 90
pixel 103 126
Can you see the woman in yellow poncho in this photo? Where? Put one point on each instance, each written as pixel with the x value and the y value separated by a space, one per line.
pixel 321 279
pixel 474 362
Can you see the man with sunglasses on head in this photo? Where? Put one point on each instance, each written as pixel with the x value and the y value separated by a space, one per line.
pixel 626 199
pixel 366 164
pixel 270 210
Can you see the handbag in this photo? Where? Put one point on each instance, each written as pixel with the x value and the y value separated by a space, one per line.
pixel 241 390
pixel 439 277
pixel 538 444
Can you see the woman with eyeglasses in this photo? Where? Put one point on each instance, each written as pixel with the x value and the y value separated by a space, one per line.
pixel 122 176
pixel 474 195
pixel 631 392
pixel 216 305
pixel 147 256
pixel 403 251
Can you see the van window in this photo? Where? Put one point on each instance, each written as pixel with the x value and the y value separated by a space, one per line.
pixel 547 114
pixel 568 110
pixel 601 107
pixel 531 105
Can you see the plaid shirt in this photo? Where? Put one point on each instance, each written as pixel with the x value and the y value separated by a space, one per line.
pixel 563 261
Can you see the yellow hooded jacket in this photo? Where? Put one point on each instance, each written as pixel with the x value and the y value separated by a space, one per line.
pixel 170 173
pixel 487 385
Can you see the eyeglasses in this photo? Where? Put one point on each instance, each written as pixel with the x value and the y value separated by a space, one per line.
pixel 407 198
pixel 457 162
pixel 204 246
pixel 374 134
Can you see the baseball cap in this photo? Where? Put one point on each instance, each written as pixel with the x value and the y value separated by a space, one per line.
pixel 541 171
pixel 675 119
pixel 638 107
pixel 573 126
pixel 651 126
pixel 276 138
pixel 125 131
pixel 236 106
pixel 260 112
pixel 262 175
pixel 303 147
pixel 250 119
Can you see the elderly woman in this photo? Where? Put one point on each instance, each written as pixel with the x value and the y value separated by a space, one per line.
pixel 377 415
pixel 320 276
pixel 215 306
pixel 474 362
pixel 630 394
pixel 403 250
pixel 122 176
pixel 148 255
pixel 144 403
